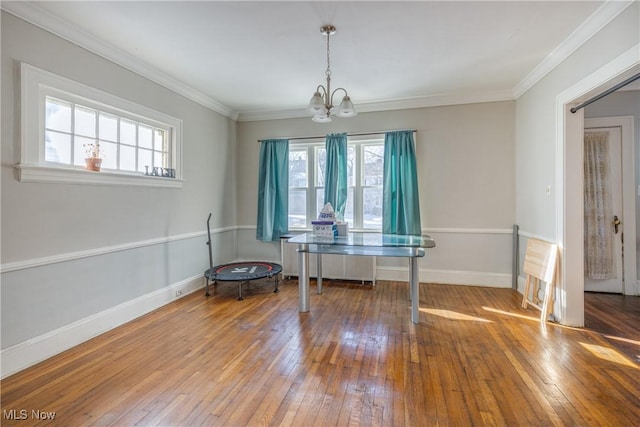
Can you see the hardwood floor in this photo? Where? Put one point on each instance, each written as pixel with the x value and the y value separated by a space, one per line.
pixel 476 358
pixel 617 317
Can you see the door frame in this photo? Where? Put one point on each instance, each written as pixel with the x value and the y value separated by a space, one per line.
pixel 625 123
pixel 570 181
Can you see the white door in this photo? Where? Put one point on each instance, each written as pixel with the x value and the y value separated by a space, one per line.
pixel 616 221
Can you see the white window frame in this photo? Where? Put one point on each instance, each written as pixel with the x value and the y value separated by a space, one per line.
pixel 308 148
pixel 312 188
pixel 36 85
pixel 358 188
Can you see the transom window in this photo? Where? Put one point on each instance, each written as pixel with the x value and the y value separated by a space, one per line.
pixel 72 130
pixel 364 181
pixel 63 121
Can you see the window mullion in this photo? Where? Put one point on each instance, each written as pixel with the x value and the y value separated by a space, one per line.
pixel 137 145
pixel 153 147
pixel 357 193
pixel 118 120
pixel 311 184
pixel 97 129
pixel 73 133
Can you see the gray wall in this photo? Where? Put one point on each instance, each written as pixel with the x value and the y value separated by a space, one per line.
pixel 538 140
pixel 536 122
pixel 141 239
pixel 466 179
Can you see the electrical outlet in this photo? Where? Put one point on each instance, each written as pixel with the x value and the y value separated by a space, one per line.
pixel 178 292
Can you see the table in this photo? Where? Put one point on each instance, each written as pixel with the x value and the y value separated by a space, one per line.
pixel 364 244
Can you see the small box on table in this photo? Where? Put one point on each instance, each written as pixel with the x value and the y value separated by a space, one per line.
pixel 323 229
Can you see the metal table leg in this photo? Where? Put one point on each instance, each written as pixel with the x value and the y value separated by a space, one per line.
pixel 415 297
pixel 303 279
pixel 319 278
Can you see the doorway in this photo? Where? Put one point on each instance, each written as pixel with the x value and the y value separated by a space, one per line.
pixel 570 194
pixel 603 207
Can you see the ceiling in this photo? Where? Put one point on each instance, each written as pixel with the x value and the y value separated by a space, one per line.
pixel 264 59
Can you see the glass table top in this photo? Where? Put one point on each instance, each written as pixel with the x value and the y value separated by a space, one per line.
pixel 367 239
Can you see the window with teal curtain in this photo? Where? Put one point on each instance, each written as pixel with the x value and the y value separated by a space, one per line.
pixel 273 189
pixel 400 198
pixel 335 177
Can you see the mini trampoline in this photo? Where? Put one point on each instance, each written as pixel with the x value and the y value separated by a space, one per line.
pixel 241 272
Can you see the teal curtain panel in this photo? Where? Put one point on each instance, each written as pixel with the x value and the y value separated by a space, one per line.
pixel 400 197
pixel 335 182
pixel 273 189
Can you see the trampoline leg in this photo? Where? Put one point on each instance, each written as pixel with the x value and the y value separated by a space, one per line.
pixel 206 281
pixel 276 290
pixel 240 291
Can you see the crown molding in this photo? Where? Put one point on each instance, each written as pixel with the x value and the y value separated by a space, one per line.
pixel 596 22
pixel 39 17
pixel 387 105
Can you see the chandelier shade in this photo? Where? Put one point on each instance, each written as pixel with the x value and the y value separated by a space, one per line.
pixel 321 103
pixel 346 108
pixel 316 104
pixel 322 118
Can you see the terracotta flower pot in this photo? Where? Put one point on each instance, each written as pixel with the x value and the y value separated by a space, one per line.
pixel 93 163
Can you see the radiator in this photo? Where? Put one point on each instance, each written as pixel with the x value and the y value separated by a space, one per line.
pixel 339 267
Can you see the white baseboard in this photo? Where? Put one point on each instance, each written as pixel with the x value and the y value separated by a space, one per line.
pixel 35 350
pixel 448 277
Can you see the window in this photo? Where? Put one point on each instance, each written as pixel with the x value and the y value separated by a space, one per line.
pixel 372 161
pixel 127 145
pixel 364 180
pixel 61 119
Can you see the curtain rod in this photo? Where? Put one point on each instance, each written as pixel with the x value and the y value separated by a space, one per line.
pixel 606 92
pixel 348 134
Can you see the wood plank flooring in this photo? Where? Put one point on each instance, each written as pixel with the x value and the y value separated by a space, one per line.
pixel 617 317
pixel 476 358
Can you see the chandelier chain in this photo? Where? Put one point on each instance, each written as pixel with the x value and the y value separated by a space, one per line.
pixel 328 72
pixel 321 103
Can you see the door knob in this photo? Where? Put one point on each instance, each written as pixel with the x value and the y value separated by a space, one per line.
pixel 616 223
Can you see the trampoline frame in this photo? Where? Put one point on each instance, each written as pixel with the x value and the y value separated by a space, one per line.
pixel 216 274
pixel 212 275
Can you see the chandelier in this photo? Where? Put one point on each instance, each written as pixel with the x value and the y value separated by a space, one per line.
pixel 321 103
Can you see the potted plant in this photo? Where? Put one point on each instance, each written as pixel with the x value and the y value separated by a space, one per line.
pixel 93 159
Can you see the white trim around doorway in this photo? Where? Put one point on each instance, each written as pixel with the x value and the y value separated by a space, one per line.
pixel 569 181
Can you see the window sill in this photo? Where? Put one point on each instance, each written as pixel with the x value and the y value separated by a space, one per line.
pixel 66 175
